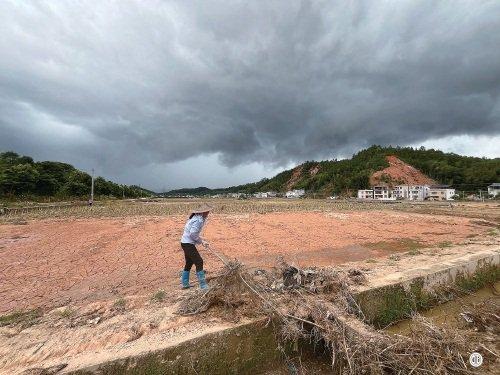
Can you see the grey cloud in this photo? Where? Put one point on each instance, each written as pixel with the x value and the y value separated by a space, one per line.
pixel 273 82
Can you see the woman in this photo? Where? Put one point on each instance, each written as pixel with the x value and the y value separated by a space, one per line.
pixel 190 238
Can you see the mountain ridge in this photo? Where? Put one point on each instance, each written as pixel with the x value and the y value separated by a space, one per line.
pixel 366 167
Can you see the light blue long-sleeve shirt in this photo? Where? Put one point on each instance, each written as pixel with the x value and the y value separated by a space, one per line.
pixel 192 230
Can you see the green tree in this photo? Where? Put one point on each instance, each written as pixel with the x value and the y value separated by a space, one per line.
pixel 19 179
pixel 78 184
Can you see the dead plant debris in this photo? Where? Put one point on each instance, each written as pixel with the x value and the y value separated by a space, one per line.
pixel 316 304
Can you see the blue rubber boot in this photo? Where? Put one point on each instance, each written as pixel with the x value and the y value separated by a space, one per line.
pixel 201 279
pixel 185 279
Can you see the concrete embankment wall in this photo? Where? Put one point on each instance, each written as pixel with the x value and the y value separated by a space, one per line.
pixel 419 289
pixel 251 348
pixel 245 349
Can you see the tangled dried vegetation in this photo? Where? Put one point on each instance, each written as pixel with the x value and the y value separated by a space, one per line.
pixel 316 305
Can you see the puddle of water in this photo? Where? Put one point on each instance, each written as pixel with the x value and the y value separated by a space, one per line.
pixel 448 313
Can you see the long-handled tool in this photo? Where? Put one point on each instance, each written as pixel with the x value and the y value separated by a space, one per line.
pixel 222 257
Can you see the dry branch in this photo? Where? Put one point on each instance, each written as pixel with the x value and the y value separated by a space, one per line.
pixel 317 305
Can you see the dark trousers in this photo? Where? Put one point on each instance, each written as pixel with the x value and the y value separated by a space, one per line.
pixel 192 257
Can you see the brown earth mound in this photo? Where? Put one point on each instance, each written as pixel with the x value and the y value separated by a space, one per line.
pixel 399 173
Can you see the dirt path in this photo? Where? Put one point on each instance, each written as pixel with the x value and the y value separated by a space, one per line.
pixel 49 263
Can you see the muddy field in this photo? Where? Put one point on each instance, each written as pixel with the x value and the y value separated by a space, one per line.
pixel 75 259
pixel 106 279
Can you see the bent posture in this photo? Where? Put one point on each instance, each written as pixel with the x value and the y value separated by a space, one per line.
pixel 191 238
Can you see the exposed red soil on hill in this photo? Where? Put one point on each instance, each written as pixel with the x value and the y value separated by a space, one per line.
pixel 398 172
pixel 297 172
pixel 314 170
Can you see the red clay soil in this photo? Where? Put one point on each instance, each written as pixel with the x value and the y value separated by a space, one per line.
pixel 49 263
pixel 314 170
pixel 400 173
pixel 297 172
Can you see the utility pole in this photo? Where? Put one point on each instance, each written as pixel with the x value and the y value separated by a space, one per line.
pixel 92 189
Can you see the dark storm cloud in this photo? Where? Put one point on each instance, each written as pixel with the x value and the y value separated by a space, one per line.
pixel 274 82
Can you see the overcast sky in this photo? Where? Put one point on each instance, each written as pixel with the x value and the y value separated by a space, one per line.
pixel 171 94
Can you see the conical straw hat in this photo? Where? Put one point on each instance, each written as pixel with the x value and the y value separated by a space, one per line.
pixel 201 209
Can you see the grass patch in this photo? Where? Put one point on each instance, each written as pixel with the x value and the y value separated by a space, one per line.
pixel 24 318
pixel 120 304
pixel 370 260
pixel 66 313
pixel 445 244
pixel 487 275
pixel 398 303
pixel 159 296
pixel 492 232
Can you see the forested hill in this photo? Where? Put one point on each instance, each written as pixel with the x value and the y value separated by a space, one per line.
pixel 339 177
pixel 21 177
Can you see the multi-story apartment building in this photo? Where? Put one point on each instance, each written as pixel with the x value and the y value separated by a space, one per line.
pixel 411 192
pixel 441 193
pixel 365 194
pixel 383 193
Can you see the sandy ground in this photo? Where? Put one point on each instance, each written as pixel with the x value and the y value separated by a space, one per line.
pixel 50 263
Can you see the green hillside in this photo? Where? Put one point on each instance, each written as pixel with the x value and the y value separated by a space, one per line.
pixel 21 177
pixel 345 176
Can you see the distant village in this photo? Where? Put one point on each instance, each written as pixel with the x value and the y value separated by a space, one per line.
pixel 296 193
pixel 379 193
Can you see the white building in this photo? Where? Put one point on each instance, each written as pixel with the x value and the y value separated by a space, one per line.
pixel 383 193
pixel 297 193
pixel 365 194
pixel 441 193
pixel 260 195
pixel 411 192
pixel 494 189
pixel 401 191
pixel 418 192
pixel 271 194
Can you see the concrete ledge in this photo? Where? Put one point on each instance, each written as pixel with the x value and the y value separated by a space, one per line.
pixel 421 288
pixel 245 349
